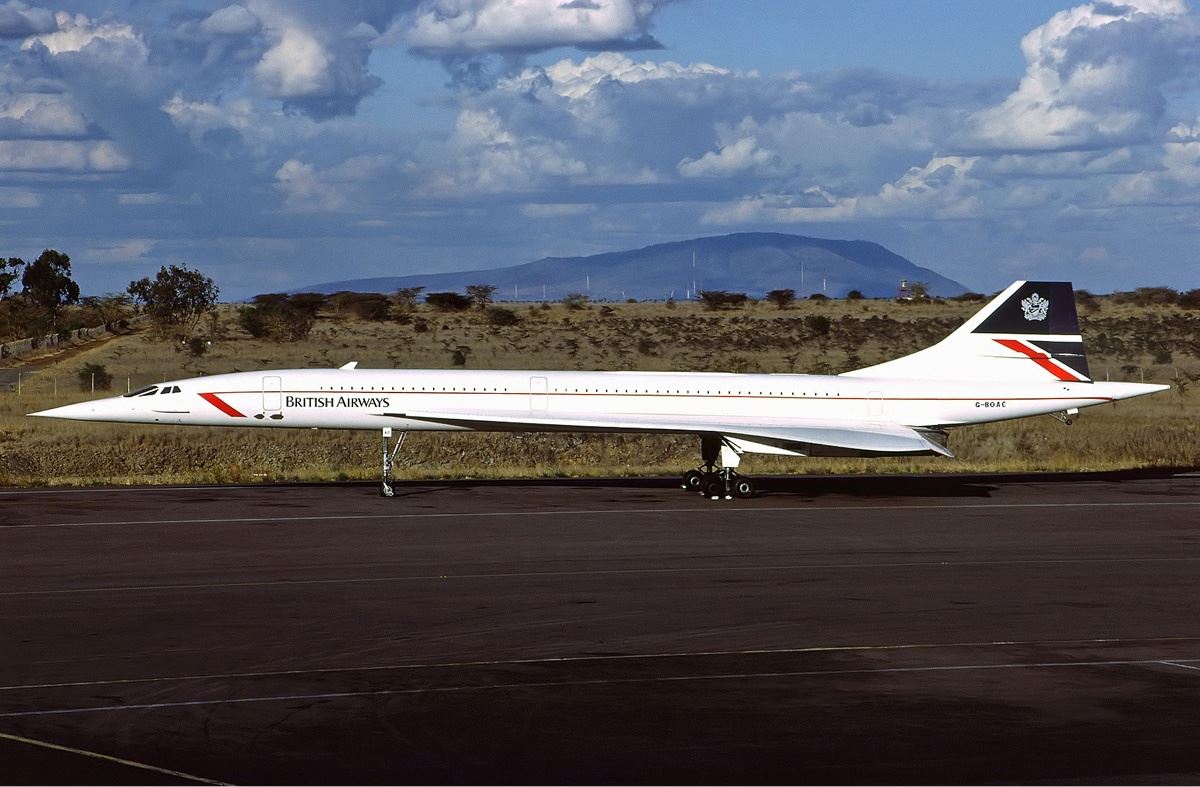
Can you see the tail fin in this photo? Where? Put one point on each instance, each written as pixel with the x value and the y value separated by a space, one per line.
pixel 1028 333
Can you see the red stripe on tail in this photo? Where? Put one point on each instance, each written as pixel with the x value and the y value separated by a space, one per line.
pixel 221 405
pixel 1040 358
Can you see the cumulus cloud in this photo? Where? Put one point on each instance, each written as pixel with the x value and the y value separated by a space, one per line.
pixel 576 80
pixel 349 185
pixel 235 127
pixel 317 59
pixel 944 188
pixel 485 157
pixel 232 20
pixel 737 156
pixel 470 27
pixel 1094 77
pixel 40 115
pixel 61 156
pixel 1174 181
pixel 18 20
pixel 107 41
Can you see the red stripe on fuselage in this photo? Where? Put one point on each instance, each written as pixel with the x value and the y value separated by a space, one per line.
pixel 1040 358
pixel 221 405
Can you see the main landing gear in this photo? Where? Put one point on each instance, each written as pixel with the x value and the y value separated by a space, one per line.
pixel 715 482
pixel 389 456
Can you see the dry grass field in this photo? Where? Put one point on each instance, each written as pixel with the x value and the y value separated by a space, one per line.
pixel 1126 342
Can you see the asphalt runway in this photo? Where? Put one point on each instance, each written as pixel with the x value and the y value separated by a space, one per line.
pixel 933 630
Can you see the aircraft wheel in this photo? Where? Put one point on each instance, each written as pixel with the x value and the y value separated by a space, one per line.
pixel 743 487
pixel 693 480
pixel 714 487
pixel 386 490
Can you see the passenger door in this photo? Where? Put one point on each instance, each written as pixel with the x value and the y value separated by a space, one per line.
pixel 272 389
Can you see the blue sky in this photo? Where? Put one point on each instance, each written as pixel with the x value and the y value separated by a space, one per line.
pixel 278 143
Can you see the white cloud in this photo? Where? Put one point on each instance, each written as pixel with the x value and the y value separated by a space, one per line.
pixel 1175 182
pixel 317 56
pixel 484 157
pixel 40 115
pixel 62 156
pixel 539 210
pixel 232 20
pixel 477 26
pixel 942 189
pixel 125 250
pixel 738 156
pixel 1094 78
pixel 296 66
pixel 222 127
pixel 349 185
pixel 305 191
pixel 108 41
pixel 142 198
pixel 18 20
pixel 577 79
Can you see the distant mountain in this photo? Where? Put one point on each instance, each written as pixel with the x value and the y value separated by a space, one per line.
pixel 750 262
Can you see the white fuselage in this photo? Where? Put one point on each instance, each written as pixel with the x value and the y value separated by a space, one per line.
pixel 374 398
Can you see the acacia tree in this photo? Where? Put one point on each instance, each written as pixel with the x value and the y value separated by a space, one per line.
pixel 10 271
pixel 47 283
pixel 405 299
pixel 177 297
pixel 481 295
pixel 110 308
pixel 781 298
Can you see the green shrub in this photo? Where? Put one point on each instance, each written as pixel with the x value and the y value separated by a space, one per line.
pixel 94 376
pixel 448 301
pixel 498 315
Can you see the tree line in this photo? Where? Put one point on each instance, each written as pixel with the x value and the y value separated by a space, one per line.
pixel 49 299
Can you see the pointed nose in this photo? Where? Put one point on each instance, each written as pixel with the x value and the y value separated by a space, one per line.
pixel 97 410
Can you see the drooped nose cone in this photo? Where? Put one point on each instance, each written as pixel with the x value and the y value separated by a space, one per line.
pixel 112 409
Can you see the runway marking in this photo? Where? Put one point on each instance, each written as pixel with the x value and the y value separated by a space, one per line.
pixel 1178 664
pixel 590 682
pixel 718 510
pixel 108 758
pixel 281 584
pixel 614 657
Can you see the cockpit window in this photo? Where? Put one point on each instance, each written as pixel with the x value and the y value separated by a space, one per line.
pixel 146 391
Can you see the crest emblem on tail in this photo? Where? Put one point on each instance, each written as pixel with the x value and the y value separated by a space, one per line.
pixel 1035 307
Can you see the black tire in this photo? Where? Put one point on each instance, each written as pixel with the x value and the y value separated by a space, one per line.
pixel 714 487
pixel 693 480
pixel 743 487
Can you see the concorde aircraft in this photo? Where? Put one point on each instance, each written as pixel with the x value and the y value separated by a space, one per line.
pixel 1021 355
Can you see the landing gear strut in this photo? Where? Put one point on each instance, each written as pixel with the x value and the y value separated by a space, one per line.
pixel 389 456
pixel 717 482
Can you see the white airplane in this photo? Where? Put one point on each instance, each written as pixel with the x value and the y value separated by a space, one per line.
pixel 1021 355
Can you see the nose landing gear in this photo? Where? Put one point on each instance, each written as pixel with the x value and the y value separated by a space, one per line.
pixel 389 456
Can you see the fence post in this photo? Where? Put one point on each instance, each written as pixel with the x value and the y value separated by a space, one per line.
pixel 18 383
pixel 93 382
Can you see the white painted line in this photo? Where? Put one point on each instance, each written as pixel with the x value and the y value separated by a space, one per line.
pixel 130 490
pixel 549 660
pixel 577 683
pixel 285 584
pixel 1178 664
pixel 717 510
pixel 108 758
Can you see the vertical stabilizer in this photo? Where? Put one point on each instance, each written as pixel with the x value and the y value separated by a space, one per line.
pixel 1028 333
